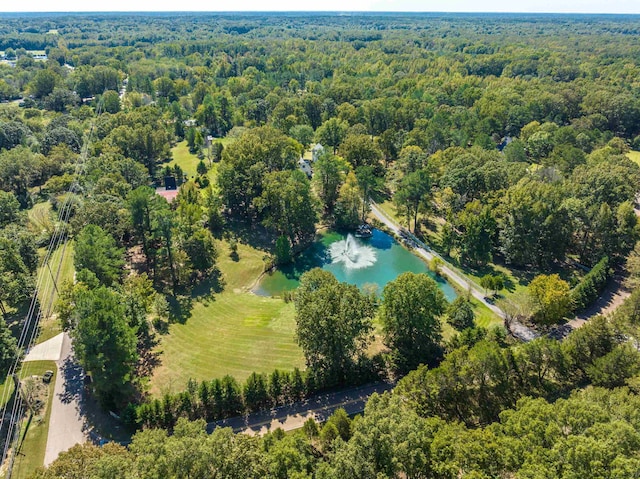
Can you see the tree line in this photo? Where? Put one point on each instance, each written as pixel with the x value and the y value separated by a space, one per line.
pixel 489 409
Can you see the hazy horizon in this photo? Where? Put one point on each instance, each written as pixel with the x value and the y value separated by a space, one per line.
pixel 330 6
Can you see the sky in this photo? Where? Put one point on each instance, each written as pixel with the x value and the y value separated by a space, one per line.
pixel 560 6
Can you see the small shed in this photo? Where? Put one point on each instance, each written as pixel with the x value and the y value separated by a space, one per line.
pixel 170 183
pixel 170 189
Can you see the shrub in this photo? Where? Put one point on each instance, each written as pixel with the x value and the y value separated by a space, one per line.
pixel 588 290
pixel 460 314
pixel 435 265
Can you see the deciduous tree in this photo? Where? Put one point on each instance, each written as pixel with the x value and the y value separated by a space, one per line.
pixel 333 324
pixel 411 307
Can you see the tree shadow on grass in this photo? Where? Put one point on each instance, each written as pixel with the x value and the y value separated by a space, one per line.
pixel 380 195
pixel 206 289
pixel 253 234
pixel 180 307
pixel 489 269
pixel 15 319
pixel 149 358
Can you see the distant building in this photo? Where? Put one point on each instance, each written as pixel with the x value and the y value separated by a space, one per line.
pixel 190 122
pixel 316 152
pixel 305 166
pixel 170 189
pixel 170 183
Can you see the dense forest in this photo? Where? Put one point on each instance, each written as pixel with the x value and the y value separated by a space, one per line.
pixel 507 143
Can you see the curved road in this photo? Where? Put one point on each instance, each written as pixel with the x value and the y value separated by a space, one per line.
pixel 293 416
pixel 519 330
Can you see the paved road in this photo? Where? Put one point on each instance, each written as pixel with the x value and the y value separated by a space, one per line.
pixel 294 416
pixel 49 350
pixel 517 329
pixel 66 424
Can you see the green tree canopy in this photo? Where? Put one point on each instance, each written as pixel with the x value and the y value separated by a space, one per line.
pixel 96 251
pixel 333 324
pixel 105 343
pixel 411 307
pixel 552 297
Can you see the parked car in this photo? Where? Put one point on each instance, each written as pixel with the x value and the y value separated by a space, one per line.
pixel 46 377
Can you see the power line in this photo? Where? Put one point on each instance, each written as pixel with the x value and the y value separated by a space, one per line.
pixel 45 282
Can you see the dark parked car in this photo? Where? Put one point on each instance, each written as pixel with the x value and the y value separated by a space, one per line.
pixel 46 377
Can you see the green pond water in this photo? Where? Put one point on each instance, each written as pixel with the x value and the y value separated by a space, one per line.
pixel 376 260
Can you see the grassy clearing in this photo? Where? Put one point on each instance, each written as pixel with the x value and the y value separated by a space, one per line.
pixel 41 218
pixel 6 390
pixel 33 435
pixel 515 281
pixel 62 261
pixel 234 332
pixel 389 209
pixel 484 316
pixel 189 162
pixel 634 156
pixel 60 267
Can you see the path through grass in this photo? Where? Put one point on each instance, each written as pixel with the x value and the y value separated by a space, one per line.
pixel 61 259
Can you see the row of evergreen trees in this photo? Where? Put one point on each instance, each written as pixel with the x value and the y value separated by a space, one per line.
pixel 226 397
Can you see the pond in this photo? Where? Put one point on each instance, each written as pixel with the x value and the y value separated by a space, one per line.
pixel 372 261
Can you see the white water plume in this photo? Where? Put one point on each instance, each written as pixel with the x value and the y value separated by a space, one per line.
pixel 352 253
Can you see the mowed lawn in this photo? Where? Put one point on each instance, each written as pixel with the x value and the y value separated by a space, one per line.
pixel 60 267
pixel 33 436
pixel 233 332
pixel 189 162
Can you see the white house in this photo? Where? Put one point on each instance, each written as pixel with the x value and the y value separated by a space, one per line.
pixel 316 152
pixel 305 167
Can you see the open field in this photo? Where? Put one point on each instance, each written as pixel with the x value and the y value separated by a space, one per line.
pixel 60 267
pixel 234 332
pixel 185 160
pixel 33 436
